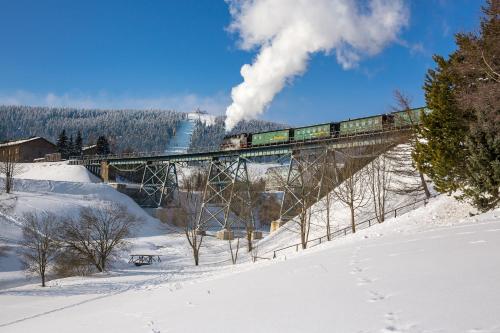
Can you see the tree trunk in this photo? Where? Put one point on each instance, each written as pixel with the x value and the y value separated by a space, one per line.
pixel 196 258
pixel 7 182
pixel 328 217
pixel 43 279
pixel 424 185
pixel 353 225
pixel 249 240
pixel 99 267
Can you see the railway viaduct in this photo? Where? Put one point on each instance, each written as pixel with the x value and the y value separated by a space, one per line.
pixel 159 185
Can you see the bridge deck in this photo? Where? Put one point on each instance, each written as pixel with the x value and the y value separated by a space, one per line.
pixel 358 139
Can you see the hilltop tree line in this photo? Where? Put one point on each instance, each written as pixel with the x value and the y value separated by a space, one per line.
pixel 68 147
pixel 459 142
pixel 209 137
pixel 137 130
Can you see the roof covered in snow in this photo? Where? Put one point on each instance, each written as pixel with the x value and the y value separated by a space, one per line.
pixel 18 142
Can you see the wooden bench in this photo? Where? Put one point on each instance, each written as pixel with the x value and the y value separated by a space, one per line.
pixel 144 259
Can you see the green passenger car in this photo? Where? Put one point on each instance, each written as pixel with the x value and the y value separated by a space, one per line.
pixel 269 138
pixel 367 124
pixel 312 132
pixel 407 118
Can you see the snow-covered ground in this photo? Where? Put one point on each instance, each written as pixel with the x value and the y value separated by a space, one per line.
pixel 409 274
pixel 65 197
pixel 432 269
pixel 58 171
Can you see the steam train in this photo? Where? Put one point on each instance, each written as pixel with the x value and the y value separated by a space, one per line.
pixel 349 127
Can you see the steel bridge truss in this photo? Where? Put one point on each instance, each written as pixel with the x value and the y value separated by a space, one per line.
pixel 226 197
pixel 305 181
pixel 159 184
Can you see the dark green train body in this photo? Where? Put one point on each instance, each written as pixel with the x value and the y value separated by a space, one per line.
pixel 408 117
pixel 367 124
pixel 349 127
pixel 313 132
pixel 270 138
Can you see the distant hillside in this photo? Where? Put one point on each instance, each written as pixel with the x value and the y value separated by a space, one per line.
pixel 208 137
pixel 140 130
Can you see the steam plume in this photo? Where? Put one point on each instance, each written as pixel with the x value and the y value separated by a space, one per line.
pixel 287 32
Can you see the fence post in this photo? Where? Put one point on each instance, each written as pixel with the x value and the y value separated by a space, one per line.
pixel 395 212
pixel 345 232
pixel 297 248
pixel 320 240
pixel 369 223
pixel 274 255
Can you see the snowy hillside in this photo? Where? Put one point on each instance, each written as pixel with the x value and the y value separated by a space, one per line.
pixel 410 274
pixel 433 268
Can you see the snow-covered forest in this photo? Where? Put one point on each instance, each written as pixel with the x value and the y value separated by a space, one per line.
pixel 139 130
pixel 136 130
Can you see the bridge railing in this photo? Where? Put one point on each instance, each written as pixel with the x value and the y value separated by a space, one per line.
pixel 114 156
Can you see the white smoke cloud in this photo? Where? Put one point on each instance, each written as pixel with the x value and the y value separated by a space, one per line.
pixel 287 32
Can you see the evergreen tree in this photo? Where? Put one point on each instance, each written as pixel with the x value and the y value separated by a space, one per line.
pixel 480 65
pixel 71 146
pixel 440 150
pixel 459 145
pixel 62 144
pixel 102 145
pixel 78 144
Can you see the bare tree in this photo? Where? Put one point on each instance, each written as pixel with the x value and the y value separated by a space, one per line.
pixel 9 167
pixel 302 189
pixel 98 233
pixel 187 214
pixel 234 253
pixel 255 252
pixel 380 179
pixel 353 189
pixel 407 166
pixel 195 238
pixel 245 195
pixel 268 208
pixel 39 245
pixel 330 181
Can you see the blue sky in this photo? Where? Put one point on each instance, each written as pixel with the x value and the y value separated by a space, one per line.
pixel 179 54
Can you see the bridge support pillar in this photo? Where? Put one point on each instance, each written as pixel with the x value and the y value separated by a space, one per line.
pixel 304 184
pixel 275 225
pixel 225 234
pixel 226 198
pixel 105 171
pixel 159 184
